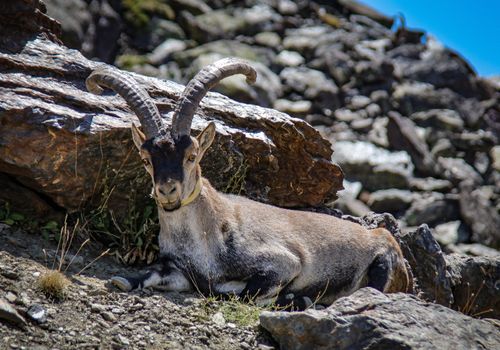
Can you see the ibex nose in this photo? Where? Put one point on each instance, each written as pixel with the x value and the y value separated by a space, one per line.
pixel 167 190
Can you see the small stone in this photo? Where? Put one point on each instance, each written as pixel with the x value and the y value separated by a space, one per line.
pixel 290 58
pixel 457 169
pixel 346 115
pixel 8 313
pixel 121 339
pixel 4 228
pixel 268 39
pixel 219 319
pixel 474 249
pixel 391 200
pixel 291 107
pixel 450 233
pixel 359 102
pixel 97 308
pixel 495 156
pixel 245 345
pixel 117 310
pixel 13 275
pixel 287 7
pixel 164 50
pixel 430 184
pixel 362 125
pixel 108 316
pixel 265 347
pixel 37 313
pixel 373 110
pixel 11 297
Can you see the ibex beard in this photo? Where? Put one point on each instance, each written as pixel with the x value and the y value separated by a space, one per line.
pixel 225 244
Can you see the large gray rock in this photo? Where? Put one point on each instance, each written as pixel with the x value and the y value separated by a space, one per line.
pixel 313 85
pixel 402 135
pixel 475 282
pixel 228 22
pixel 371 320
pixel 391 200
pixel 432 208
pixel 428 265
pixel 9 314
pixel 477 211
pixel 67 146
pixel 446 119
pixel 424 255
pixel 374 167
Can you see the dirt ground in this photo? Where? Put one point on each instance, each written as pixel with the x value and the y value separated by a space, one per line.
pixel 95 315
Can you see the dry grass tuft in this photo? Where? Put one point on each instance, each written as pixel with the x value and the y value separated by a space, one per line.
pixel 53 284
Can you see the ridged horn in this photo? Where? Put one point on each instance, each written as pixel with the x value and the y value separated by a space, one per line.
pixel 136 97
pixel 197 88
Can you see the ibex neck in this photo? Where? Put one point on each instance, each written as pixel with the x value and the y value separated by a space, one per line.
pixel 194 194
pixel 195 220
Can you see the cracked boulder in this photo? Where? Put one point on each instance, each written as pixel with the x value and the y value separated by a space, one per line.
pixel 369 319
pixel 70 148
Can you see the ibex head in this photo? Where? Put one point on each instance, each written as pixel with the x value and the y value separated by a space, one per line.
pixel 171 155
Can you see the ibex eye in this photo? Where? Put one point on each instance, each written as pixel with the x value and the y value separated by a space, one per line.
pixel 145 162
pixel 192 157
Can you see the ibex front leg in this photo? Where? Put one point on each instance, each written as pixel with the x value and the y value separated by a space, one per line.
pixel 164 274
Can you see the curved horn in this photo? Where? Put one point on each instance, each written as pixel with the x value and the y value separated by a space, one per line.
pixel 197 88
pixel 136 97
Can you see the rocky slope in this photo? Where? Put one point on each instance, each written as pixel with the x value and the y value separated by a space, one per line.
pixel 414 128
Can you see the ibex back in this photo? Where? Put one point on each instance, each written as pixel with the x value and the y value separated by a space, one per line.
pixel 225 244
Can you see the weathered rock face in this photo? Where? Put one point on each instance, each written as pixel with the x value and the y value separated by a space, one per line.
pixel 70 147
pixel 369 319
pixel 475 284
pixel 403 110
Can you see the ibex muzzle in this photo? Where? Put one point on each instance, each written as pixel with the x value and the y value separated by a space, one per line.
pixel 225 244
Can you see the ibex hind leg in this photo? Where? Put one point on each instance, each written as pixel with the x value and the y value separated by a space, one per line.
pixel 165 275
pixel 379 273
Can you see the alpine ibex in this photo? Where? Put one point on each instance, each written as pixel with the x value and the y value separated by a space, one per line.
pixel 226 244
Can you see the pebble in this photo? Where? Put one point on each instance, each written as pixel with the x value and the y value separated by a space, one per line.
pixel 11 297
pixel 218 319
pixel 37 313
pixel 108 316
pixel 97 308
pixel 117 310
pixel 13 275
pixel 8 313
pixel 123 340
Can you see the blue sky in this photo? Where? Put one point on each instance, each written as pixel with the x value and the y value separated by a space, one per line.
pixel 470 27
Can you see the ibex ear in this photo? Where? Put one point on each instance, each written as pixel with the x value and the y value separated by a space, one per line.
pixel 205 138
pixel 137 136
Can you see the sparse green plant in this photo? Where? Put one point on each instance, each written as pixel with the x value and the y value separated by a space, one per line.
pixel 236 183
pixel 470 307
pixel 130 61
pixel 9 217
pixel 13 218
pixel 53 282
pixel 139 12
pixel 133 236
pixel 235 310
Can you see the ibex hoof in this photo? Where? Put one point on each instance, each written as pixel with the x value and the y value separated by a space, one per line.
pixel 121 283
